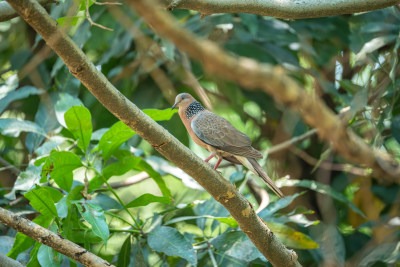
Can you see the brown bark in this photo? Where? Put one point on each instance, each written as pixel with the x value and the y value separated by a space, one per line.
pixel 51 239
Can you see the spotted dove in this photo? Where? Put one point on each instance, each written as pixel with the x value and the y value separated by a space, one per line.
pixel 220 137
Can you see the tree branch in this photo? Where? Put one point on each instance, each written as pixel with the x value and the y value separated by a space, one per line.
pixel 51 239
pixel 295 9
pixel 223 191
pixel 7 12
pixel 6 261
pixel 274 81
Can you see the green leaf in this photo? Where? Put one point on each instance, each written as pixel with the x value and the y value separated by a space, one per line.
pixel 69 21
pixel 146 199
pixel 33 261
pixel 169 241
pixel 250 21
pixel 63 164
pixel 116 169
pixel 94 215
pixel 62 208
pixel 26 180
pixel 13 127
pixel 47 257
pixel 75 193
pixel 23 242
pixel 236 244
pixel 386 252
pixel 160 115
pixel 64 103
pixel 42 200
pixel 21 93
pixel 282 203
pixel 106 202
pixel 124 256
pixel 350 87
pixel 79 123
pixel 324 155
pixel 144 166
pixel 320 188
pixel 45 117
pixel 114 138
pixel 291 237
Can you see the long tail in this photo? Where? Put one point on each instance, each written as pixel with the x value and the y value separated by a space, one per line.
pixel 253 165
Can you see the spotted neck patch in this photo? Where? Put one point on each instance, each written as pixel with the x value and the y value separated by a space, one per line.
pixel 193 108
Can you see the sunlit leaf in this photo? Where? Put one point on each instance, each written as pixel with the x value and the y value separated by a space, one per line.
pixel 228 221
pixel 146 199
pixel 160 115
pixel 42 199
pixel 291 237
pixel 69 21
pixel 63 104
pixel 112 139
pixel 78 121
pixel 13 127
pixel 25 180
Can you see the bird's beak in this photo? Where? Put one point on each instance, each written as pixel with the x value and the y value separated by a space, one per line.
pixel 174 106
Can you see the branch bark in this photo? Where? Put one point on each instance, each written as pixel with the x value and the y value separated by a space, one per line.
pixel 7 12
pixel 51 239
pixel 274 81
pixel 295 9
pixel 273 8
pixel 223 191
pixel 6 261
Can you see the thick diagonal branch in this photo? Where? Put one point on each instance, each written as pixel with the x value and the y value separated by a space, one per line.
pixel 273 80
pixel 294 9
pixel 50 239
pixel 223 191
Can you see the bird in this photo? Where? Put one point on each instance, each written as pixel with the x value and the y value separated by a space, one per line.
pixel 220 137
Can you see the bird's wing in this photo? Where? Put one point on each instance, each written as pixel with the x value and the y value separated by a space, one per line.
pixel 220 133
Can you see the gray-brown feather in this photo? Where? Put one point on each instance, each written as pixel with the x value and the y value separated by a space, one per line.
pixel 220 133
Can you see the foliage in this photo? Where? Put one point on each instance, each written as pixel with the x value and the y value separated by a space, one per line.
pixel 70 152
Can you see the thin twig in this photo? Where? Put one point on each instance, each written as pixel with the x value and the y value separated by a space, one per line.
pixel 191 81
pixel 107 3
pixel 9 166
pixel 260 194
pixel 293 141
pixel 92 22
pixel 330 166
pixel 129 181
pixel 151 52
